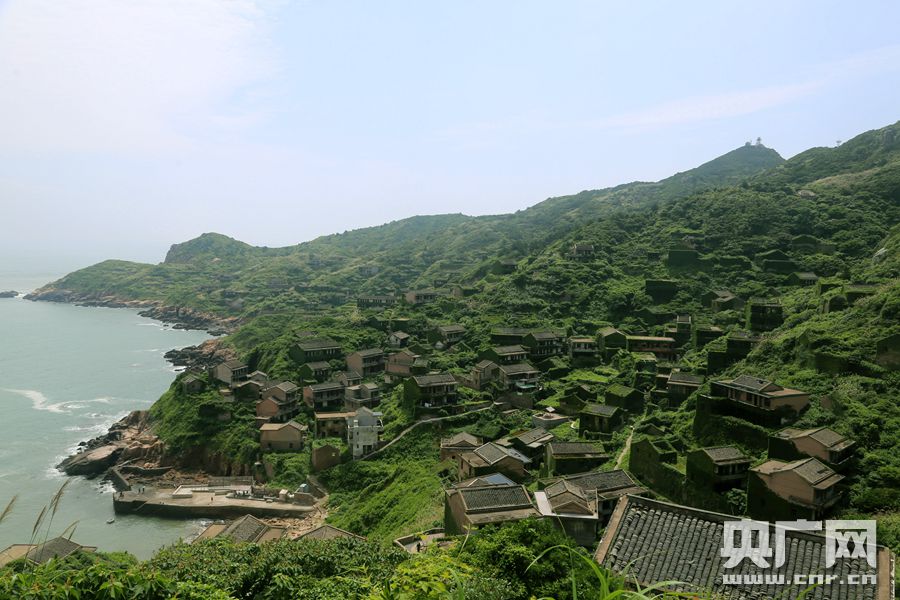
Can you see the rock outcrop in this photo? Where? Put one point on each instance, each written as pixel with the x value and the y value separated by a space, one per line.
pixel 127 440
pixel 9 294
pixel 178 317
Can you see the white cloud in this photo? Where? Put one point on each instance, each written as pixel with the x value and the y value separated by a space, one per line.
pixel 704 108
pixel 123 75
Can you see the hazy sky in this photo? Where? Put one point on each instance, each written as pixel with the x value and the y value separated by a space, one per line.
pixel 126 126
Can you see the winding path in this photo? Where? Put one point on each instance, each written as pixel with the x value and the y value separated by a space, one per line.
pixel 422 422
pixel 625 449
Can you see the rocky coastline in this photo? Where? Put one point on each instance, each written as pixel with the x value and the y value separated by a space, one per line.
pixel 178 317
pixel 9 294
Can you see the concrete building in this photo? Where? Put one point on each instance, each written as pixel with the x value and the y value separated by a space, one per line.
pixel 282 437
pixel 822 443
pixel 364 432
pixel 802 489
pixel 366 362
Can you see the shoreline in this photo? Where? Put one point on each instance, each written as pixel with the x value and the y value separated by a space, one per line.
pixel 176 316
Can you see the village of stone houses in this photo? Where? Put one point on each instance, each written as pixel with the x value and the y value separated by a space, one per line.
pixel 632 380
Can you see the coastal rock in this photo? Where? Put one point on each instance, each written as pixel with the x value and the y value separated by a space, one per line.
pixel 178 317
pixel 203 356
pixel 9 294
pixel 91 462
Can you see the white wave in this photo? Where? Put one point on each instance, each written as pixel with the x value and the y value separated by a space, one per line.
pixel 39 401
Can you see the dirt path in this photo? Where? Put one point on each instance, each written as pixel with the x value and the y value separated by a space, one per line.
pixel 418 423
pixel 625 449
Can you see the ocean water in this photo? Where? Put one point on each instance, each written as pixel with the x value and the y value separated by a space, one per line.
pixel 66 374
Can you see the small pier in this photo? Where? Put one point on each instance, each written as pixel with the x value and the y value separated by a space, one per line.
pixel 211 503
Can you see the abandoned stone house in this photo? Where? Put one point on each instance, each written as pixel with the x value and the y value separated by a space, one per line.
pixel 610 340
pixel 704 334
pixel 493 458
pixel 719 300
pixel 433 390
pixel 324 397
pixel 509 336
pixel 569 509
pixel 521 377
pixel 764 314
pixel 316 350
pixel 801 489
pixel 598 418
pixel 583 346
pixel 282 437
pixel 347 378
pixel 680 385
pixel 625 397
pixel 466 509
pixel 270 409
pixel 452 447
pixel 506 355
pixel 366 362
pixel 230 372
pixel 398 339
pixel 420 296
pixel 450 334
pixel 315 371
pixel 604 486
pixel 192 384
pixel 375 301
pixel 822 443
pixel 531 442
pixel 663 347
pixel 544 344
pixel 760 394
pixel 717 469
pixel 802 278
pixel 566 458
pixel 581 250
pixel 403 364
pixel 332 424
pixel 363 394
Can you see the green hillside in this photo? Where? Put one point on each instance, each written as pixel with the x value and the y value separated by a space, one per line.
pixel 747 222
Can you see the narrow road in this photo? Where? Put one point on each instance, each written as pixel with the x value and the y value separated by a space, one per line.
pixel 422 422
pixel 625 449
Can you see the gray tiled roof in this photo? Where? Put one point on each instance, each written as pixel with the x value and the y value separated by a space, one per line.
pixel 435 379
pixel 518 368
pixel 725 454
pixel 603 410
pixel 318 344
pixel 656 541
pixel 370 352
pixel 748 382
pixel 485 480
pixel 560 448
pixel 504 350
pixel 680 377
pixel 532 436
pixel 56 548
pixel 495 497
pixel 602 480
pixel 828 437
pixel 246 529
pixel 812 470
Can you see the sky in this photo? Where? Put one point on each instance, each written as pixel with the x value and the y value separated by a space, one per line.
pixel 126 126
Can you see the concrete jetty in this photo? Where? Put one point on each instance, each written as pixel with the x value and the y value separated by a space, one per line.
pixel 202 503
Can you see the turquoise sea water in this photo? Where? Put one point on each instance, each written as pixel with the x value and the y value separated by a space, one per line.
pixel 66 374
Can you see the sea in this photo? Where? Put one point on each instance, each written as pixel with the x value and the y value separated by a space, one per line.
pixel 66 374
